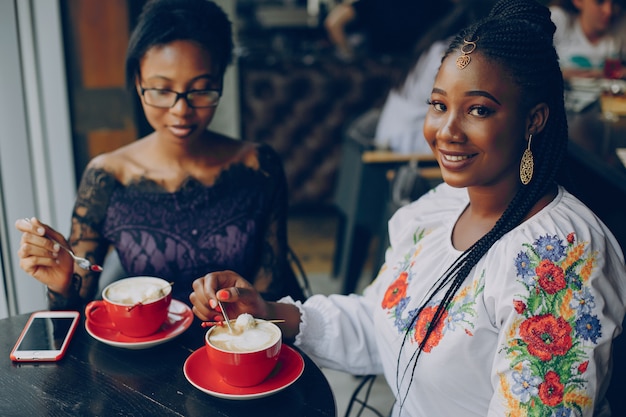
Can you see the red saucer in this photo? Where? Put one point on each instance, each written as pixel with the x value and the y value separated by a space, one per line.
pixel 201 375
pixel 178 320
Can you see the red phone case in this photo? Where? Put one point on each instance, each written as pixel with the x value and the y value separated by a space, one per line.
pixel 61 353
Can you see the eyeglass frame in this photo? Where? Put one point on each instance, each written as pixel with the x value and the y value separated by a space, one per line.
pixel 183 95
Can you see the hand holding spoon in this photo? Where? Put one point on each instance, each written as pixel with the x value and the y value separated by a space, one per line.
pixel 80 261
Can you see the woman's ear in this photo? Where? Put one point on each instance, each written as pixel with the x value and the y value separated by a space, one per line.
pixel 537 118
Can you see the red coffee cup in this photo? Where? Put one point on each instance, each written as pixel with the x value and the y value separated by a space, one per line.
pixel 244 364
pixel 135 306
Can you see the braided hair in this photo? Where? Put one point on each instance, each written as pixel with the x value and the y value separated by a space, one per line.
pixel 517 35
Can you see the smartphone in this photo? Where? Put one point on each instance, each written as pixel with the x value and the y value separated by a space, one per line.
pixel 46 336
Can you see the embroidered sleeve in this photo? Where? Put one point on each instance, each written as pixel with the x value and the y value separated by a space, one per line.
pixel 555 344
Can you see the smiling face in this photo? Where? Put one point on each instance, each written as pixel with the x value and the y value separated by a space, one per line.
pixel 179 66
pixel 475 125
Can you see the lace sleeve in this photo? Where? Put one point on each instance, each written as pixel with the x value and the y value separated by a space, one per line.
pixel 85 237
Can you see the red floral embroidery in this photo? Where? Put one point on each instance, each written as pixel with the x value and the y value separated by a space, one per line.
pixel 396 291
pixel 551 277
pixel 546 336
pixel 555 327
pixel 551 389
pixel 424 321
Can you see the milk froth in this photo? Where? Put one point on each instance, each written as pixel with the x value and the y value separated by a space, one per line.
pixel 245 338
pixel 131 292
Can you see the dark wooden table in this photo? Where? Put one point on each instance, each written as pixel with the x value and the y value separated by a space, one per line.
pixel 95 379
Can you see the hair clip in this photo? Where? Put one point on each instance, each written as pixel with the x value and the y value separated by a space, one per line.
pixel 467 48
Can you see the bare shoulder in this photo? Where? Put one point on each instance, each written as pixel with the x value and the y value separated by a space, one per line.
pixel 120 163
pixel 257 156
pixel 230 150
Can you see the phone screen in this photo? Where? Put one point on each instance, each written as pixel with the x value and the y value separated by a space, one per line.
pixel 46 333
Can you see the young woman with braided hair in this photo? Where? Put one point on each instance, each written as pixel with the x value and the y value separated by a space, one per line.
pixel 501 292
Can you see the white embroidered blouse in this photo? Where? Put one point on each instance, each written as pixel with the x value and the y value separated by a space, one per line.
pixel 528 333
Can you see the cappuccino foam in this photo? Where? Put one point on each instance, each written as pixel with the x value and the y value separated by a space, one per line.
pixel 249 339
pixel 130 293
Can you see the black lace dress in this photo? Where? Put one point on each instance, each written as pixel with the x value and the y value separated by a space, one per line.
pixel 238 223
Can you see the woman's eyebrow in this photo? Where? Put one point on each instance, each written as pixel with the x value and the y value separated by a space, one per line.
pixel 473 93
pixel 480 93
pixel 439 91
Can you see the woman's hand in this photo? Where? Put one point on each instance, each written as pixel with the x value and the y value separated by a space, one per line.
pixel 236 294
pixel 42 258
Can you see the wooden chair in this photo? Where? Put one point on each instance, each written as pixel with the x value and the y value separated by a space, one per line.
pixel 362 196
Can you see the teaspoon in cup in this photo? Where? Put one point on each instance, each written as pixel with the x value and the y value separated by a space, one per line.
pixel 219 303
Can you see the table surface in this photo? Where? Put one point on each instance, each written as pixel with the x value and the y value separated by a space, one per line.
pixel 596 174
pixel 594 141
pixel 97 379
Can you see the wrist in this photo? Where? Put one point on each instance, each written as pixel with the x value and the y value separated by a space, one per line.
pixel 288 312
pixel 68 299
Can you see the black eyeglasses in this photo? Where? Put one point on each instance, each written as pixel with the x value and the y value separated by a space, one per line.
pixel 166 99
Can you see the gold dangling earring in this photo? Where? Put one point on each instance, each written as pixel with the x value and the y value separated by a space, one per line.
pixel 527 165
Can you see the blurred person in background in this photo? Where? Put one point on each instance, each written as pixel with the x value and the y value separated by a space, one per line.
pixel 386 26
pixel 588 32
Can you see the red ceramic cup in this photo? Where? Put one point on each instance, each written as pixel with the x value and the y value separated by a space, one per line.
pixel 135 306
pixel 244 365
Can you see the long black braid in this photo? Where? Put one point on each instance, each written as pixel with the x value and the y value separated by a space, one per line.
pixel 518 36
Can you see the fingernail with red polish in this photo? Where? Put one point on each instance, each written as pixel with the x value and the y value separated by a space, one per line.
pixel 223 294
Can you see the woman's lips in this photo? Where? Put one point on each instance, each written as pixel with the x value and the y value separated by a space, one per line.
pixel 456 158
pixel 181 131
pixel 455 161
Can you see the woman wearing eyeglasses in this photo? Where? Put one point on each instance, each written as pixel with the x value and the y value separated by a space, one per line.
pixel 182 201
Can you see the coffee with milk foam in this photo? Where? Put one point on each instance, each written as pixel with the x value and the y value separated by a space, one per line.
pixel 249 335
pixel 132 292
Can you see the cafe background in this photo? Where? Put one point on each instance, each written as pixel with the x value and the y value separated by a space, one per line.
pixel 64 100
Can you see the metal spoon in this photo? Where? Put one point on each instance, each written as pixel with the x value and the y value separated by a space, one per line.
pixel 80 261
pixel 219 303
pixel 216 323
